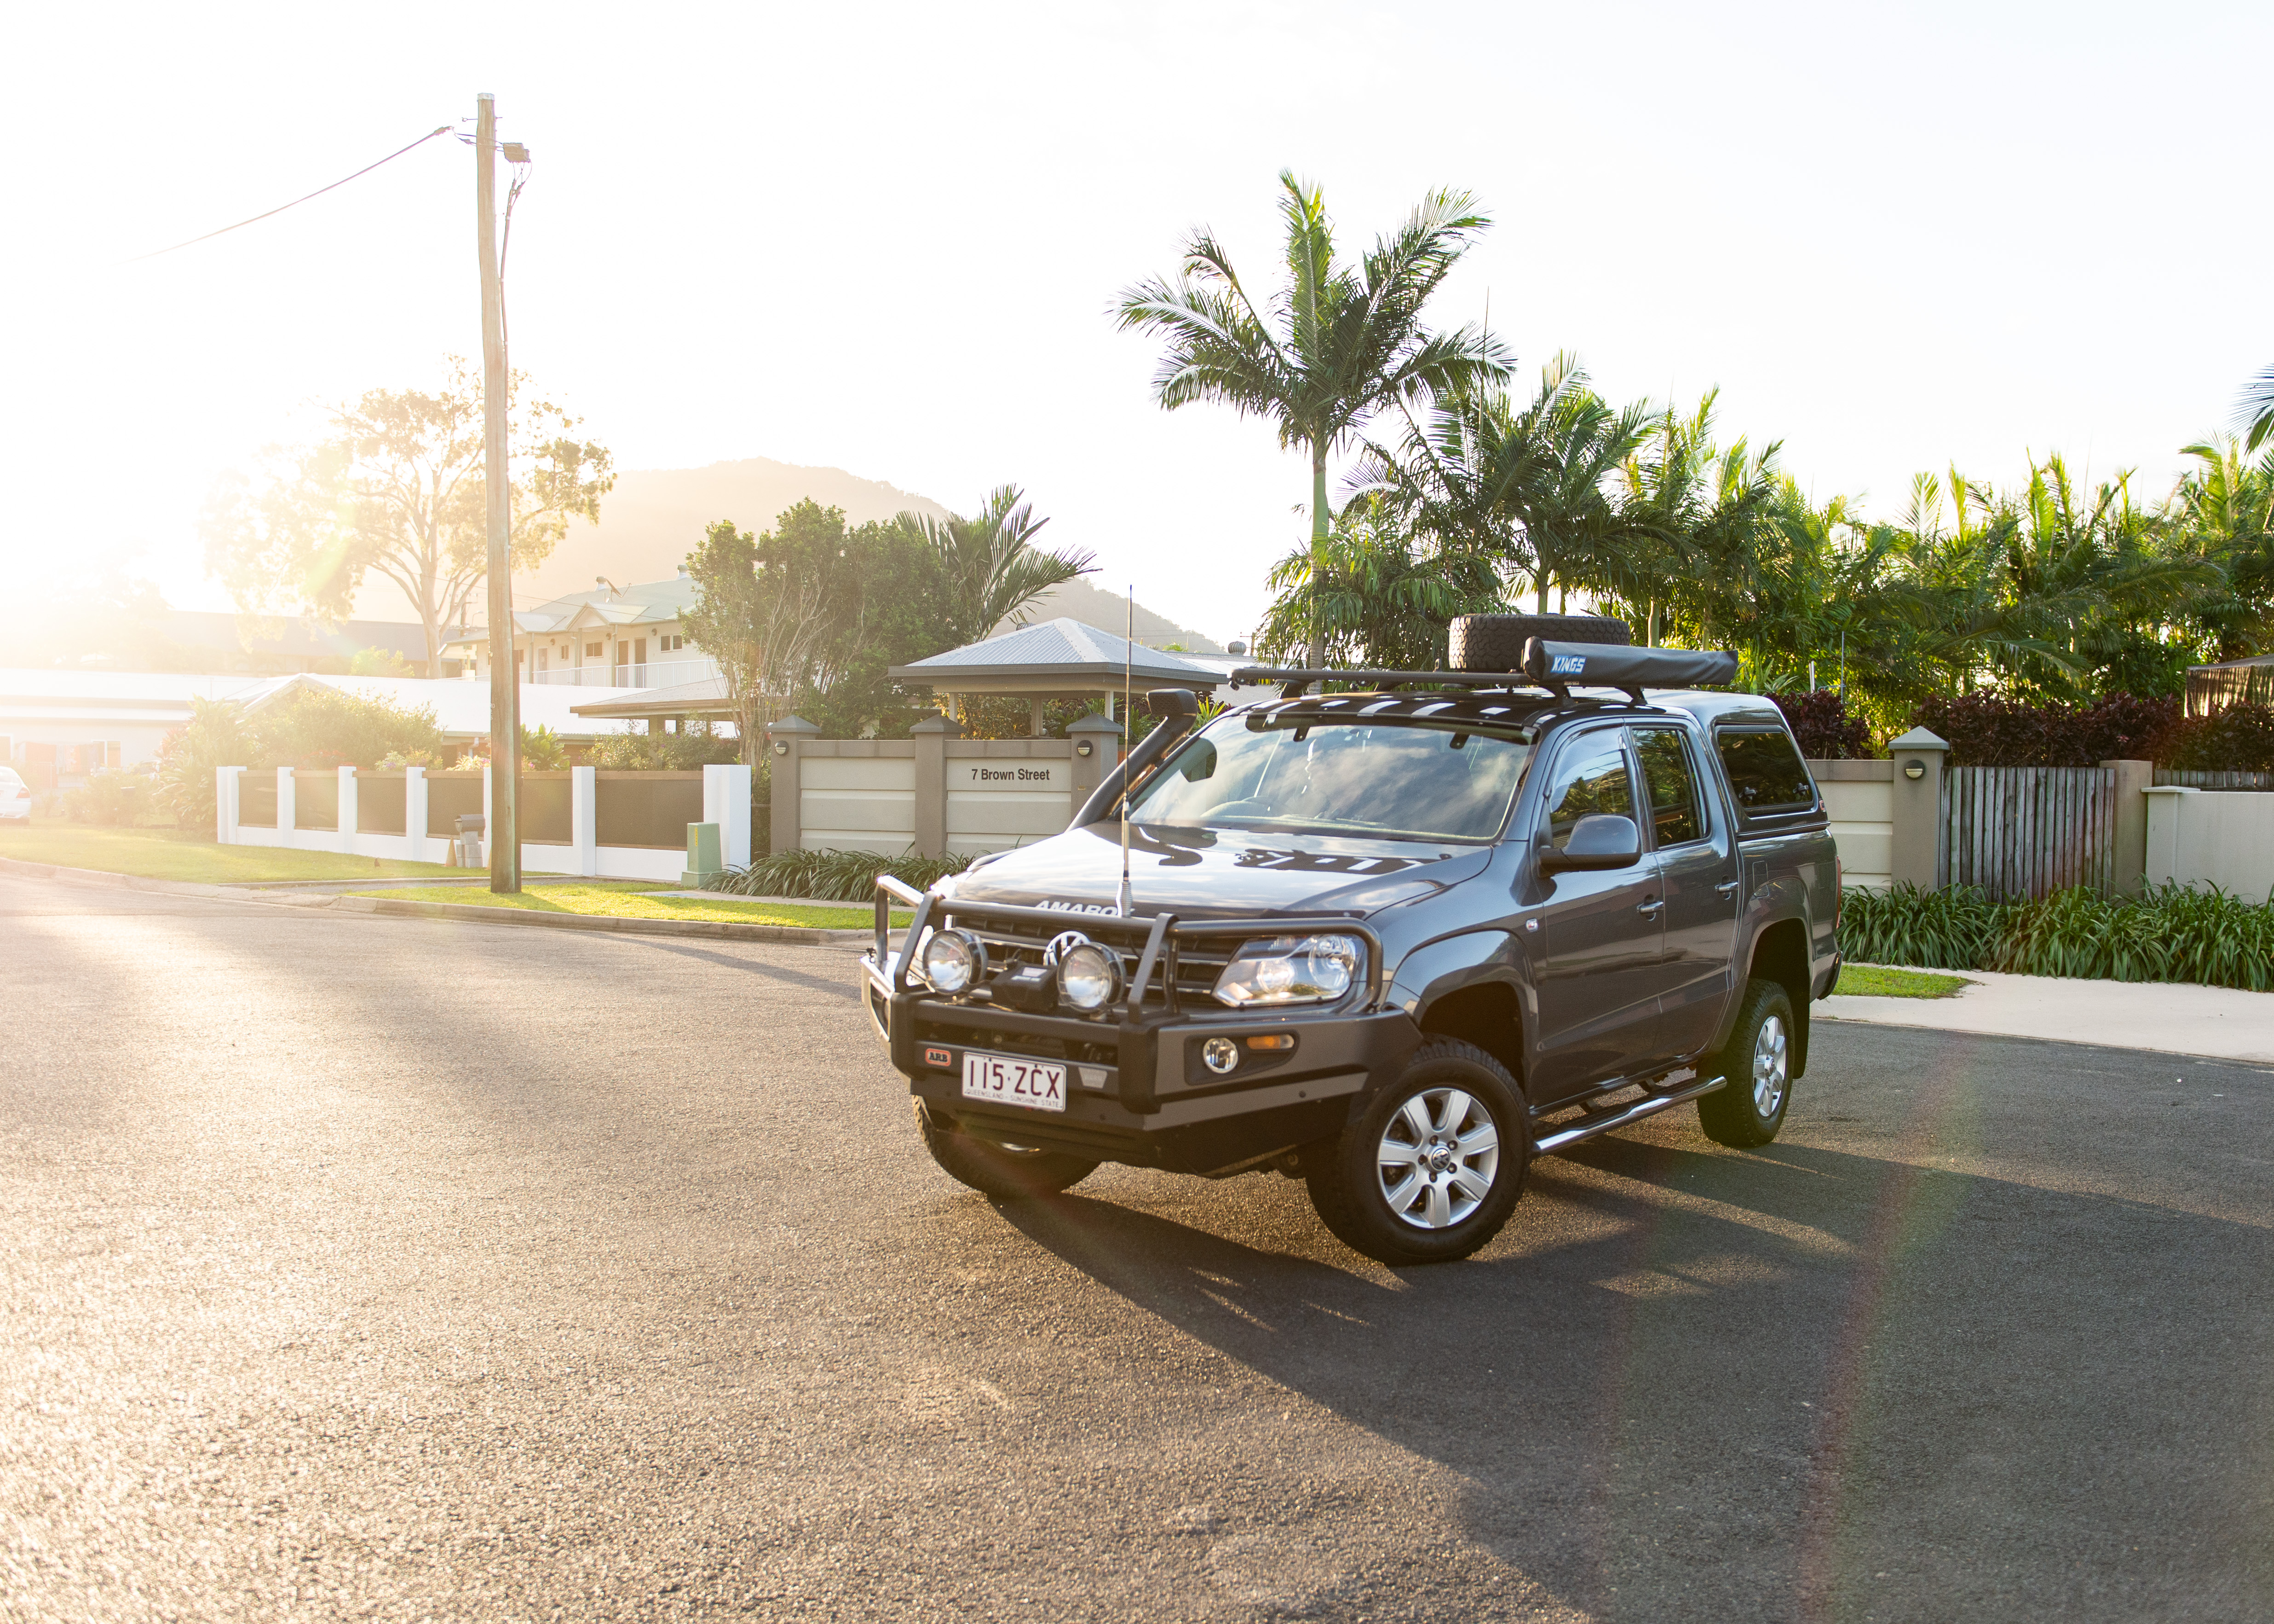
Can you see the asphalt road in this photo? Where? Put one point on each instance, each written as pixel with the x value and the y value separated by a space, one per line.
pixel 393 1269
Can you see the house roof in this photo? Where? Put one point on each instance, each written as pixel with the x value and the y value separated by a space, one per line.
pixel 706 698
pixel 1054 656
pixel 645 603
pixel 460 708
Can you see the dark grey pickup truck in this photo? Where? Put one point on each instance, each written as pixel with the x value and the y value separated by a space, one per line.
pixel 1394 938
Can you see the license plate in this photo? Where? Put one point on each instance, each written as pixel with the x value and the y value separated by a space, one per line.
pixel 1013 1079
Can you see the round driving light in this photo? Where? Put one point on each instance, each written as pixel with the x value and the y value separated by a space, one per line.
pixel 1219 1055
pixel 953 961
pixel 1089 975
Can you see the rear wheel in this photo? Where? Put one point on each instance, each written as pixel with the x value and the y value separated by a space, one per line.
pixel 1758 1062
pixel 1006 1172
pixel 1434 1168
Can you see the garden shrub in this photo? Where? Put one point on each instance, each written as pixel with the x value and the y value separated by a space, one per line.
pixel 115 797
pixel 1985 730
pixel 2239 739
pixel 1821 721
pixel 2170 932
pixel 833 876
pixel 661 752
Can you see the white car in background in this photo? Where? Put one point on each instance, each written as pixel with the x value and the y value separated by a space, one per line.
pixel 15 797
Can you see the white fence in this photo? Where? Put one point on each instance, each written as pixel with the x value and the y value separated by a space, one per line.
pixel 726 802
pixel 2208 837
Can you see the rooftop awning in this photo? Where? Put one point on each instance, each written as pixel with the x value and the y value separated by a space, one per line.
pixel 706 699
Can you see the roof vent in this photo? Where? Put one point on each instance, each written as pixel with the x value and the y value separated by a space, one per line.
pixel 602 581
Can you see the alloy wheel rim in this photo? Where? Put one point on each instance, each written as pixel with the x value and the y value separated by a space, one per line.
pixel 1770 1061
pixel 1438 1155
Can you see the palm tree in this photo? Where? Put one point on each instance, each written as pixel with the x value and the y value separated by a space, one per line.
pixel 1375 594
pixel 1333 347
pixel 989 568
pixel 2255 413
pixel 1523 484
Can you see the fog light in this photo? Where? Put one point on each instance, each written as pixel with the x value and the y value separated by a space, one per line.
pixel 953 961
pixel 1219 1055
pixel 1089 976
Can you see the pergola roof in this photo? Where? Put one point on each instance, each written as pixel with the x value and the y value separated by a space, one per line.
pixel 1054 657
pixel 706 699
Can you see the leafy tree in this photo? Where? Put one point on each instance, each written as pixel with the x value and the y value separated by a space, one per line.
pixel 990 569
pixel 213 738
pixel 397 489
pixel 2256 410
pixel 1333 347
pixel 811 615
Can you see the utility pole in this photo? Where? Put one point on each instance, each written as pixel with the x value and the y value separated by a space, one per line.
pixel 504 831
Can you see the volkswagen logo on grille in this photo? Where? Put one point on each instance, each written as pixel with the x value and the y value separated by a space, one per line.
pixel 1062 944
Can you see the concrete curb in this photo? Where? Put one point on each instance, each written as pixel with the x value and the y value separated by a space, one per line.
pixel 104 877
pixel 795 935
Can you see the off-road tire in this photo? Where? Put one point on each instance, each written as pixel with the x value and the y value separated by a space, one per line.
pixel 995 1170
pixel 1343 1175
pixel 1733 1115
pixel 1496 642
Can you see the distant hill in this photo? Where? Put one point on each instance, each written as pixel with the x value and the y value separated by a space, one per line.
pixel 656 516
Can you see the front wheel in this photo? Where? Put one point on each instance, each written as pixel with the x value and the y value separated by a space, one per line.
pixel 1434 1168
pixel 1004 1172
pixel 1749 1110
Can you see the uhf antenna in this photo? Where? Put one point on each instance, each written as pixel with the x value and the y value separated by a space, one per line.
pixel 1128 726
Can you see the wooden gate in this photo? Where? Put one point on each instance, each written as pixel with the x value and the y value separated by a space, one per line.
pixel 2022 831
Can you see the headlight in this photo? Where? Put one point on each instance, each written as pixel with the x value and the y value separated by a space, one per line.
pixel 953 961
pixel 1089 976
pixel 1290 970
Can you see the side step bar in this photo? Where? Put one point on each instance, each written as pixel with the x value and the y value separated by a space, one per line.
pixel 1602 1122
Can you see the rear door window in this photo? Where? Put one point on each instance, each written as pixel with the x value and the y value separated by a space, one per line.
pixel 1765 772
pixel 1671 783
pixel 1591 778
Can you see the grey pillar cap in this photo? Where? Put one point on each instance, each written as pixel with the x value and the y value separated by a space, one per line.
pixel 1093 723
pixel 793 724
pixel 1918 739
pixel 937 724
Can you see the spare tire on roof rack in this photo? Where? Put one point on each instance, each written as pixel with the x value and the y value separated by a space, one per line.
pixel 1496 642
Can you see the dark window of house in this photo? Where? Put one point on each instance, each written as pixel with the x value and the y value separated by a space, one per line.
pixel 1765 772
pixel 591 651
pixel 1592 777
pixel 1673 786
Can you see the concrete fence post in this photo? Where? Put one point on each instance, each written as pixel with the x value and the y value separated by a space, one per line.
pixel 1101 737
pixel 2167 811
pixel 783 739
pixel 346 824
pixel 2129 869
pixel 931 736
pixel 584 818
pixel 226 804
pixel 1915 837
pixel 414 811
pixel 288 809
pixel 726 802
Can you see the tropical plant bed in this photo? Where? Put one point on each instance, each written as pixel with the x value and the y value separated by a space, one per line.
pixel 832 876
pixel 182 854
pixel 631 899
pixel 2169 933
pixel 1881 982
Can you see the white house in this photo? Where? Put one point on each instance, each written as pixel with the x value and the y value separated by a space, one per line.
pixel 612 637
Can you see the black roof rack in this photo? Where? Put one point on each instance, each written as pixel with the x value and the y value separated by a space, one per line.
pixel 1296 678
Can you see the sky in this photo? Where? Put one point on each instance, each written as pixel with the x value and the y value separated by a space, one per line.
pixel 888 239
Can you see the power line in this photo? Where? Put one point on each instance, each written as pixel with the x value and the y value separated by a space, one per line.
pixel 296 202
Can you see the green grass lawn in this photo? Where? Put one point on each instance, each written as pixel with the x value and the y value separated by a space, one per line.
pixel 182 854
pixel 633 900
pixel 1873 981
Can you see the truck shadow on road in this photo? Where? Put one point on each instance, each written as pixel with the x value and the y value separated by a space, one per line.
pixel 1771 1381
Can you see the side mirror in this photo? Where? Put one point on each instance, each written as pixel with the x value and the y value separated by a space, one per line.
pixel 1599 840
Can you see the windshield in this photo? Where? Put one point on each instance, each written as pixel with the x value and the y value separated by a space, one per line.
pixel 1397 780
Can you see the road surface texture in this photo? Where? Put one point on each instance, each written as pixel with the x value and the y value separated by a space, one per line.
pixel 396 1268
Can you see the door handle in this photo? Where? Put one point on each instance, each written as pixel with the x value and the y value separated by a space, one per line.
pixel 1726 887
pixel 1652 906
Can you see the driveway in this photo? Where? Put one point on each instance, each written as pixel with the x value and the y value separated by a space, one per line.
pixel 403 1269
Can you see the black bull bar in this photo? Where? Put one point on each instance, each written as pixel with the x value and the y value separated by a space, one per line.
pixel 1129 1026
